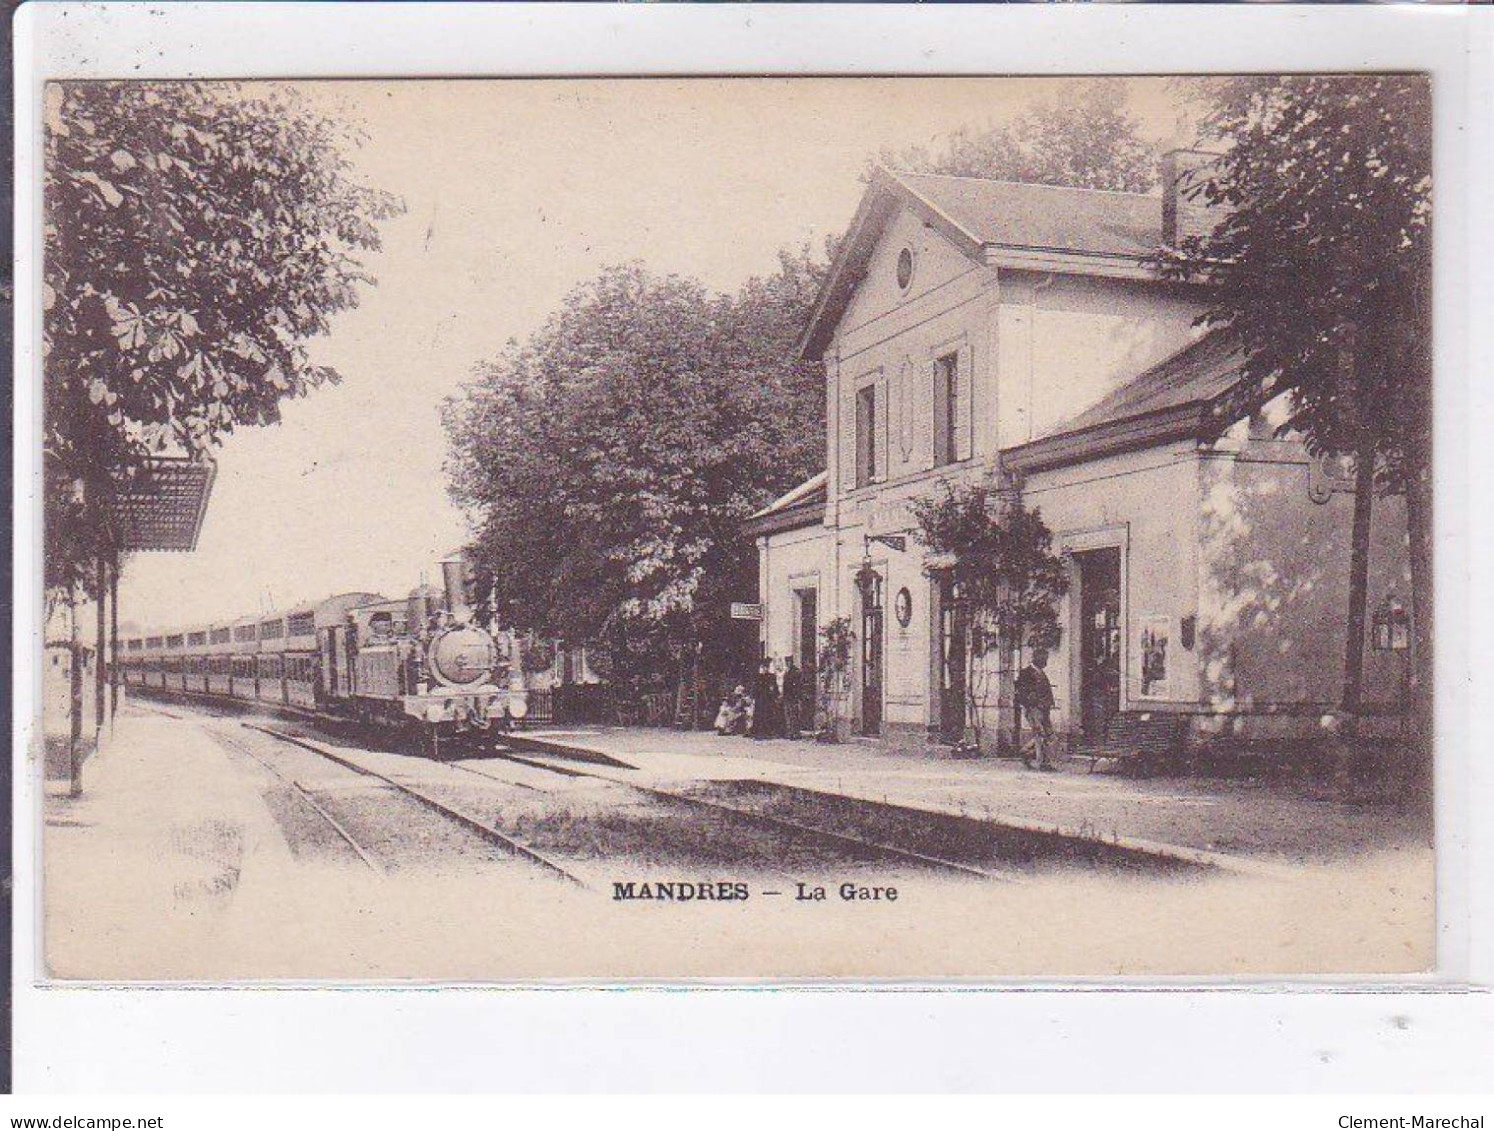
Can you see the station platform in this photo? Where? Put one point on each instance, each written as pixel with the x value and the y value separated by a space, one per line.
pixel 168 831
pixel 1245 825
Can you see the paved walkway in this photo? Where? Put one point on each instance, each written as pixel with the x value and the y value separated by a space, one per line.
pixel 169 831
pixel 1248 820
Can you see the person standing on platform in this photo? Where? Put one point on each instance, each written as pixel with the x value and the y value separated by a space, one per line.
pixel 793 699
pixel 1035 701
pixel 767 707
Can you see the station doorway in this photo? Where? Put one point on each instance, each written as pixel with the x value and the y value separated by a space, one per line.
pixel 1099 638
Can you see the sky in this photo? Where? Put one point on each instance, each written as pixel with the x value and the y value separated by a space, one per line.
pixel 515 192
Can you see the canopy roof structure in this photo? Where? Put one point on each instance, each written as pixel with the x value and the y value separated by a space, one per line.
pixel 163 507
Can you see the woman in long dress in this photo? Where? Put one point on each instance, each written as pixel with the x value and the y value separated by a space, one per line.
pixel 767 707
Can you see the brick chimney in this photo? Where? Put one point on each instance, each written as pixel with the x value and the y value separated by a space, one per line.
pixel 1182 217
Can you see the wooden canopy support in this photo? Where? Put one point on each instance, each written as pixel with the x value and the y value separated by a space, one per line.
pixel 159 507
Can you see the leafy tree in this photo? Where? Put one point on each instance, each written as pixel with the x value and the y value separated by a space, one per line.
pixel 1084 137
pixel 196 236
pixel 834 666
pixel 1006 579
pixel 608 462
pixel 1320 267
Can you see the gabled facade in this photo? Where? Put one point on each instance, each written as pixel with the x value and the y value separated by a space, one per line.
pixel 973 327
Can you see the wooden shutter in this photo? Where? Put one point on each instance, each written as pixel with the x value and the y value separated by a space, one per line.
pixel 884 433
pixel 963 415
pixel 940 403
pixel 850 450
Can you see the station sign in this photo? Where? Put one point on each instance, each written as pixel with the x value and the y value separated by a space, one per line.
pixel 743 610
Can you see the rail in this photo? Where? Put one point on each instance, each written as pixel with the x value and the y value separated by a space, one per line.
pixel 481 828
pixel 779 824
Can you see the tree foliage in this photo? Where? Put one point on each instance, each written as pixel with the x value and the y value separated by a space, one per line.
pixel 999 554
pixel 1006 578
pixel 837 641
pixel 1323 247
pixel 1320 266
pixel 608 462
pixel 1084 137
pixel 196 236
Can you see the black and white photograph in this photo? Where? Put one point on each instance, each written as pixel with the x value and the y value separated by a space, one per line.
pixel 834 528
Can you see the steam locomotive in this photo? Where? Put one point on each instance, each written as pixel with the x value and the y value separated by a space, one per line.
pixel 421 665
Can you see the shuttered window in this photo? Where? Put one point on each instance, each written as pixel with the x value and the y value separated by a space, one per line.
pixel 881 414
pixel 952 417
pixel 868 455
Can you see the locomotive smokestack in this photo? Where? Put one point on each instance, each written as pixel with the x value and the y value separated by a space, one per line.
pixel 454 573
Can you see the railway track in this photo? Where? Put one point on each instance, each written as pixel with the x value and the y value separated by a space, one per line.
pixel 487 832
pixel 834 842
pixel 305 795
pixel 830 837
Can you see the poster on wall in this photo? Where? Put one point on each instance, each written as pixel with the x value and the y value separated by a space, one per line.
pixel 1156 637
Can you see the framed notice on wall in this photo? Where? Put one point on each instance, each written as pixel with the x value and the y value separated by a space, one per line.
pixel 1156 644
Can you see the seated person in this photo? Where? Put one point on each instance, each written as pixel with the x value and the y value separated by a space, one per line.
pixel 735 715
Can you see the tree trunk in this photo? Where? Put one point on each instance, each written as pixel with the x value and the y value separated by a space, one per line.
pixel 113 641
pixel 75 706
pixel 972 700
pixel 1014 665
pixel 1419 532
pixel 101 645
pixel 1364 495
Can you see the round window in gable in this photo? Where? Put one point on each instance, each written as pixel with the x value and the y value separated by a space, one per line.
pixel 905 268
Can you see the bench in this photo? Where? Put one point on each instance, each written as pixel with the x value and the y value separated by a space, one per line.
pixel 1145 739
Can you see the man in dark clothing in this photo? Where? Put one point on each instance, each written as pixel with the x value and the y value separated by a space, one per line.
pixel 1035 701
pixel 793 699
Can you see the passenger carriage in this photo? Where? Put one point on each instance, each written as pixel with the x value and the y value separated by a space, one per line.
pixel 133 668
pixel 270 663
pixel 153 675
pixel 174 651
pixel 195 677
pixel 298 657
pixel 218 659
pixel 243 655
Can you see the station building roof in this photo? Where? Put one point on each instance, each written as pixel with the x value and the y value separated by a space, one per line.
pixel 803 506
pixel 1009 223
pixel 1184 395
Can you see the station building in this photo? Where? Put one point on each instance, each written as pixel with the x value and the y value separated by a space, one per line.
pixel 973 328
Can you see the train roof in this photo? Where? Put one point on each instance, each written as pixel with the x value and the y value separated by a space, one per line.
pixel 326 612
pixel 330 612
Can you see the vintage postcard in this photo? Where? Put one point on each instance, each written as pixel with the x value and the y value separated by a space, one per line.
pixel 797 528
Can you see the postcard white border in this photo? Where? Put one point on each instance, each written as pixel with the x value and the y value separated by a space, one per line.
pixel 1030 1038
